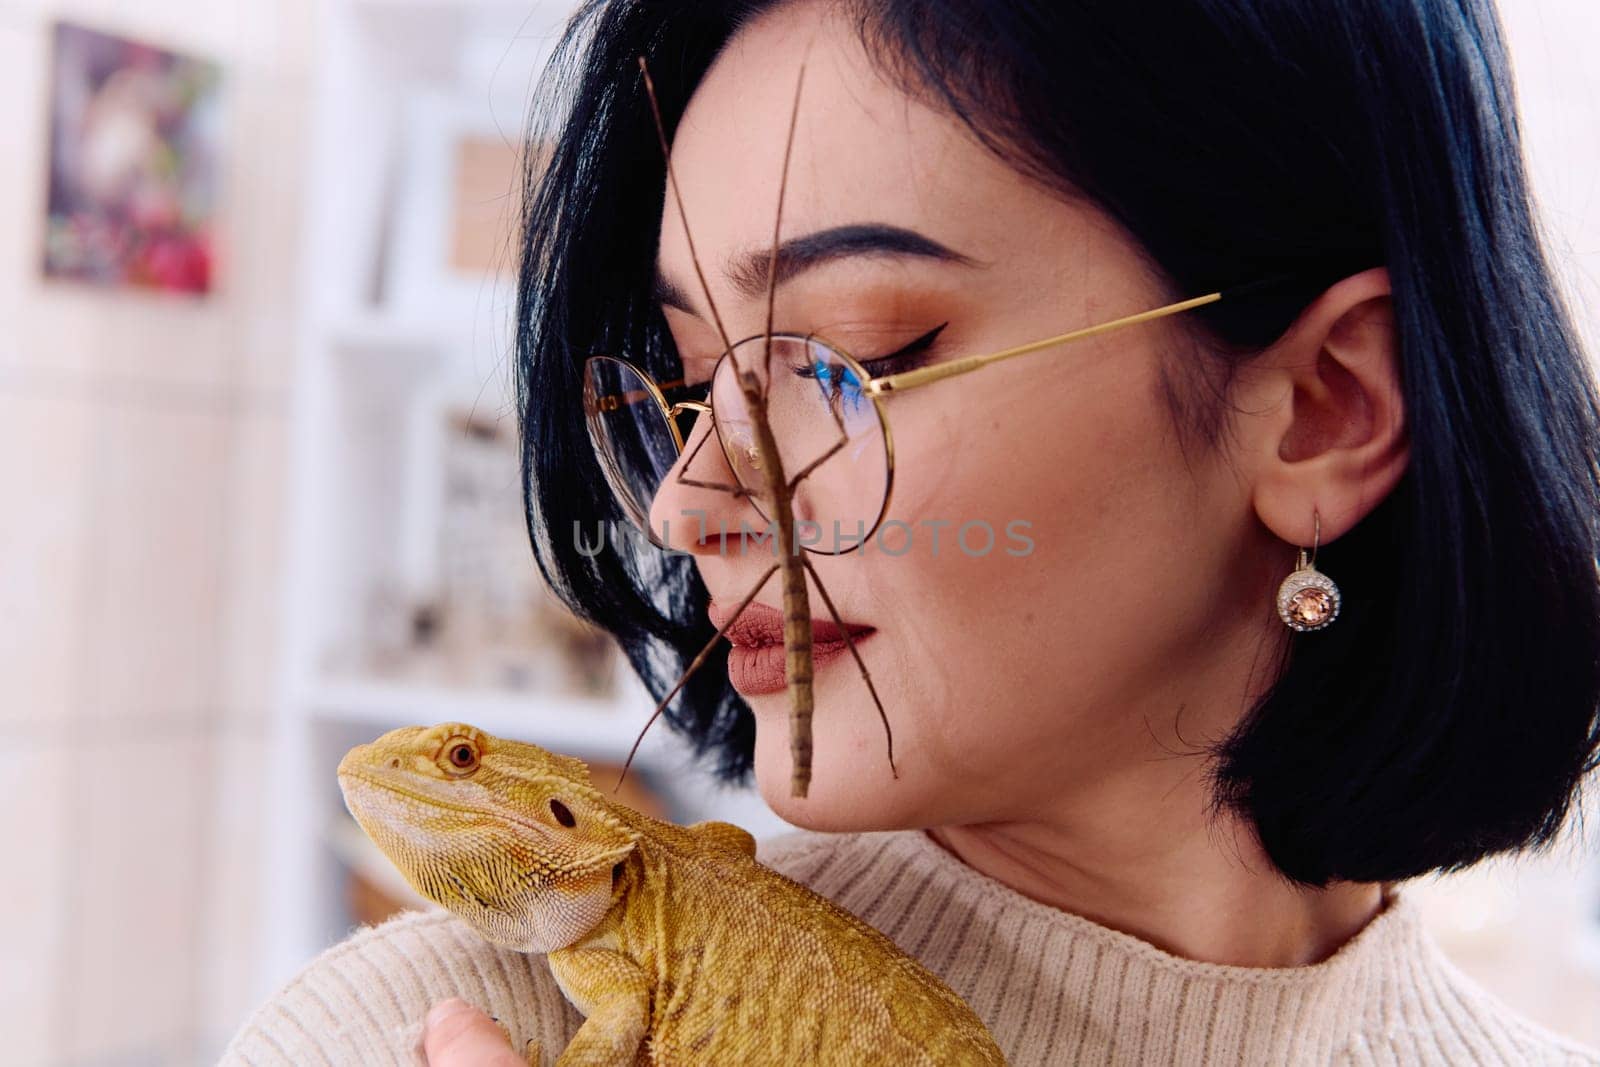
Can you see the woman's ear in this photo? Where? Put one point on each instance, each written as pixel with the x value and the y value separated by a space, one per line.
pixel 1328 430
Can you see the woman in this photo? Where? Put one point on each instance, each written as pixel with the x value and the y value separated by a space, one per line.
pixel 1137 813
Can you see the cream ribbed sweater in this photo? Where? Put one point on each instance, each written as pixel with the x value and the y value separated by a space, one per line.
pixel 1054 988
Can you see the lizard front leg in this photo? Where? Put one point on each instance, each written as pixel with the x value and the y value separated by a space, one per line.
pixel 613 993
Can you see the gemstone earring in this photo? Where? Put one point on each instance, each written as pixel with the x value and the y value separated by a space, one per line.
pixel 1308 599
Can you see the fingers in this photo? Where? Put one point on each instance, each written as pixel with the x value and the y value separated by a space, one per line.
pixel 458 1035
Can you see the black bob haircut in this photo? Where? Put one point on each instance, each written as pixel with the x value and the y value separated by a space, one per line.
pixel 1450 714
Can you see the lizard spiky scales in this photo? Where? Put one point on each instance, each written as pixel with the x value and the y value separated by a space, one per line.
pixel 673 941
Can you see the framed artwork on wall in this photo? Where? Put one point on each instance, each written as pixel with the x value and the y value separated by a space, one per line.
pixel 134 133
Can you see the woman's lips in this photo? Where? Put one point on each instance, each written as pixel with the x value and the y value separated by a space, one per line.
pixel 757 662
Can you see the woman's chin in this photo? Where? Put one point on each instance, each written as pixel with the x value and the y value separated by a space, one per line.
pixel 842 796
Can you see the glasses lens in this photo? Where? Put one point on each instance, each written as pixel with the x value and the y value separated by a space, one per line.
pixel 829 433
pixel 630 432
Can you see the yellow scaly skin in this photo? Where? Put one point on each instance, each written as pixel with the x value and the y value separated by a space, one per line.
pixel 674 943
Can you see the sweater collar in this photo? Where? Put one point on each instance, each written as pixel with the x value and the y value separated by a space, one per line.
pixel 1049 982
pixel 1396 925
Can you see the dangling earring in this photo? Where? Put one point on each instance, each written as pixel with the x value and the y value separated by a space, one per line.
pixel 1308 599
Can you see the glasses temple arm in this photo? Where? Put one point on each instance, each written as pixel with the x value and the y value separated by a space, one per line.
pixel 899 383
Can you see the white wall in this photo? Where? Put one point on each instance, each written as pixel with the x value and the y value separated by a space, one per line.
pixel 141 465
pixel 1553 45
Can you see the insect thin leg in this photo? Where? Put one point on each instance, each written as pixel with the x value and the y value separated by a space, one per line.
pixel 850 644
pixel 684 479
pixel 693 666
pixel 819 461
pixel 844 439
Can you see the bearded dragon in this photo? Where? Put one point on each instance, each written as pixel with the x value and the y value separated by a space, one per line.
pixel 676 945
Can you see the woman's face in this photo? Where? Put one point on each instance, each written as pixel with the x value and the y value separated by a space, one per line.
pixel 1128 577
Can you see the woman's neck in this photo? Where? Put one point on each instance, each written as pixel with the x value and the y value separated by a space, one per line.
pixel 1197 889
pixel 1138 845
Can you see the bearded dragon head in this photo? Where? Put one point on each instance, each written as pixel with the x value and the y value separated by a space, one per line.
pixel 509 836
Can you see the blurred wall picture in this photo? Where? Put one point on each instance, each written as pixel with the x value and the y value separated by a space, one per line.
pixel 133 163
pixel 488 175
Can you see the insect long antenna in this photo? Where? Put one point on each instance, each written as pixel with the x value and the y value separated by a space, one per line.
pixel 777 221
pixel 860 664
pixel 677 196
pixel 694 257
pixel 694 665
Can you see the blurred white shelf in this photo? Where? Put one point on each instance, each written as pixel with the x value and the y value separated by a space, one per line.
pixel 574 725
pixel 393 339
pixel 375 330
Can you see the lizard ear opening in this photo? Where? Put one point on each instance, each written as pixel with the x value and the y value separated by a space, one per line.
pixel 562 813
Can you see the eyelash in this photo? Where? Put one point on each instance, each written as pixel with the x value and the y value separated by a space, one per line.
pixel 900 359
pixel 903 358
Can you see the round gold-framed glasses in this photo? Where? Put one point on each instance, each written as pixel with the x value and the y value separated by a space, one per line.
pixel 826 413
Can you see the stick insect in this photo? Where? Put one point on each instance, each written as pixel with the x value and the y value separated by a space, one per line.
pixel 777 493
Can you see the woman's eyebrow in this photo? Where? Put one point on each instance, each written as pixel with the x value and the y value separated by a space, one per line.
pixel 748 272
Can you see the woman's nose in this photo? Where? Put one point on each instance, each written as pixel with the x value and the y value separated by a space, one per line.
pixel 699 500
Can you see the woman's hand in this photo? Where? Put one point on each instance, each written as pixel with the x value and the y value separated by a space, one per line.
pixel 458 1035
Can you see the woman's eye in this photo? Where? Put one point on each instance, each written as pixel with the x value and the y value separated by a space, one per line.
pixel 835 381
pixel 839 382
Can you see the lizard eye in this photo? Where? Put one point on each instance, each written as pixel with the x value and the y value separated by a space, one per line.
pixel 563 816
pixel 461 756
